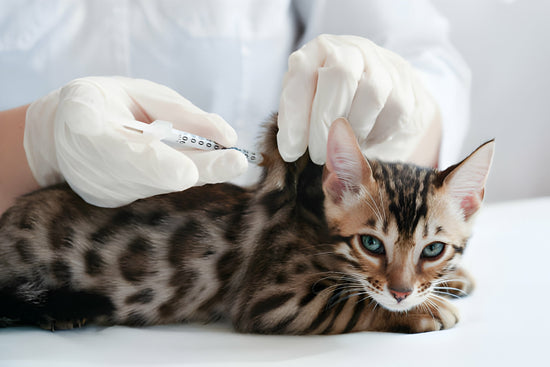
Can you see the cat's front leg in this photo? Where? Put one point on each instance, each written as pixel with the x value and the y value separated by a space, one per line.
pixel 54 309
pixel 436 314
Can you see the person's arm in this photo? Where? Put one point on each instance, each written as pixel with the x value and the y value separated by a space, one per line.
pixel 15 175
pixel 75 134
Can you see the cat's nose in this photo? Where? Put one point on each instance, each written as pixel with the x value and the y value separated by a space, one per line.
pixel 400 294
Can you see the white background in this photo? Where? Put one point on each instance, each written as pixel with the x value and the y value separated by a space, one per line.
pixel 507 46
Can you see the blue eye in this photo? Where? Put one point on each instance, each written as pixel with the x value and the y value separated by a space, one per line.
pixel 373 244
pixel 433 250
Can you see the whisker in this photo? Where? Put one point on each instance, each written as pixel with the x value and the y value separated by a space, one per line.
pixel 451 289
pixel 437 297
pixel 343 299
pixel 365 298
pixel 447 294
pixel 375 209
pixel 458 280
pixel 427 308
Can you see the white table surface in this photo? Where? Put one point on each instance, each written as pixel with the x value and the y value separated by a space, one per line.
pixel 506 322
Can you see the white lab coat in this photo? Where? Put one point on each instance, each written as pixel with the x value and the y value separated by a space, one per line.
pixel 227 57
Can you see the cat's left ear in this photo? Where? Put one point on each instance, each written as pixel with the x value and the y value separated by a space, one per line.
pixel 465 181
pixel 346 169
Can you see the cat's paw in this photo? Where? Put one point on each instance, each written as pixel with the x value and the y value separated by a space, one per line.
pixel 437 316
pixel 51 324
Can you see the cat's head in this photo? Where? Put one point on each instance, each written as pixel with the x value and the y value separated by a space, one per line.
pixel 408 225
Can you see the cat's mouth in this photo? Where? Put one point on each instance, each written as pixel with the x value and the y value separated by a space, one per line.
pixel 390 303
pixel 399 307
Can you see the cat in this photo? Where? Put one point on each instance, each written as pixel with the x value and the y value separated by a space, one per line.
pixel 355 245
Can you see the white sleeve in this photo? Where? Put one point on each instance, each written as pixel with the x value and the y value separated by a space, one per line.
pixel 417 32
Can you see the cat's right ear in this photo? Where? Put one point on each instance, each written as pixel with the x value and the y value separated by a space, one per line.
pixel 465 182
pixel 346 169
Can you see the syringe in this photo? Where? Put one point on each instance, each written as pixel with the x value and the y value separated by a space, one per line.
pixel 178 139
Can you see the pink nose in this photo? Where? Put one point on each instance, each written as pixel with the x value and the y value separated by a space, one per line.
pixel 400 294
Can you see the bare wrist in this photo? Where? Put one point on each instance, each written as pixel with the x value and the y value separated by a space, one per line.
pixel 16 177
pixel 426 152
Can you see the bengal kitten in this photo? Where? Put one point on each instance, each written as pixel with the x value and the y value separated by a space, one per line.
pixel 355 245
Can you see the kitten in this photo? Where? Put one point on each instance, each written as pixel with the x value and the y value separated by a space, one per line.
pixel 355 245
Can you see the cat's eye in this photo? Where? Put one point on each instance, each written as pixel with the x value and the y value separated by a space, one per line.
pixel 433 250
pixel 373 244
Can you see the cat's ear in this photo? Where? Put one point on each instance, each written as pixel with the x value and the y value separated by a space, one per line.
pixel 346 169
pixel 465 182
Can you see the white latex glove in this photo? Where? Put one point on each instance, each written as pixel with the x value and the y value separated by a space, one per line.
pixel 75 134
pixel 349 76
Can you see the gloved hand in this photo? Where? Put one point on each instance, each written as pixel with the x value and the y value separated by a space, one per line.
pixel 348 76
pixel 75 134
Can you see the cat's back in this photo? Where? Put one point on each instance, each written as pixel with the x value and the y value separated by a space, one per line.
pixel 48 209
pixel 53 228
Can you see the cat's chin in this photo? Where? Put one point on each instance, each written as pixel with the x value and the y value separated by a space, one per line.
pixel 397 307
pixel 394 306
